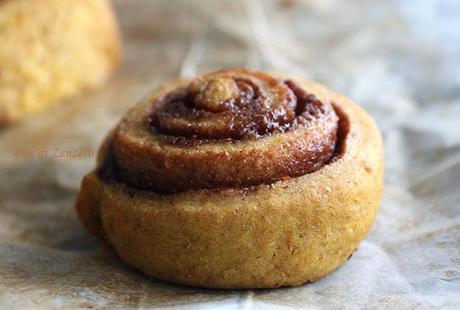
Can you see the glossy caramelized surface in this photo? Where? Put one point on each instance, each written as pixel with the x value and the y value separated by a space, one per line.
pixel 229 128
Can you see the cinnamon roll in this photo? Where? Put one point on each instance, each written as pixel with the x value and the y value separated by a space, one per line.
pixel 236 179
pixel 51 49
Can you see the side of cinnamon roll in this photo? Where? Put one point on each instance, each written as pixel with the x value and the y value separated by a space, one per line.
pixel 237 179
pixel 51 49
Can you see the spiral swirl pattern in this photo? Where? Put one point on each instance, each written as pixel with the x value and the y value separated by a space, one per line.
pixel 230 128
pixel 233 105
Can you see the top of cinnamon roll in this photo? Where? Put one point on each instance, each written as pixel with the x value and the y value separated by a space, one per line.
pixel 229 128
pixel 236 104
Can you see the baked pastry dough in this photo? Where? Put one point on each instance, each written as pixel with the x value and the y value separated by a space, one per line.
pixel 237 179
pixel 50 49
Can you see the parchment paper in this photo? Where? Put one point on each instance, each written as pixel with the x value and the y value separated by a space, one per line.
pixel 400 60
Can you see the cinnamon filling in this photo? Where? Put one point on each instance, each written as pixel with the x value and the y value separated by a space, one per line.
pixel 236 106
pixel 230 128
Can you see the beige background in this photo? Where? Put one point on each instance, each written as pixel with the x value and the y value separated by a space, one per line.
pixel 400 60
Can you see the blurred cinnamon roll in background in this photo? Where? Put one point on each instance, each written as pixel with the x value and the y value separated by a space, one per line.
pixel 51 49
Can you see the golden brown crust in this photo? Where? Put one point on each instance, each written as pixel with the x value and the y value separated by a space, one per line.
pixel 53 49
pixel 283 234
